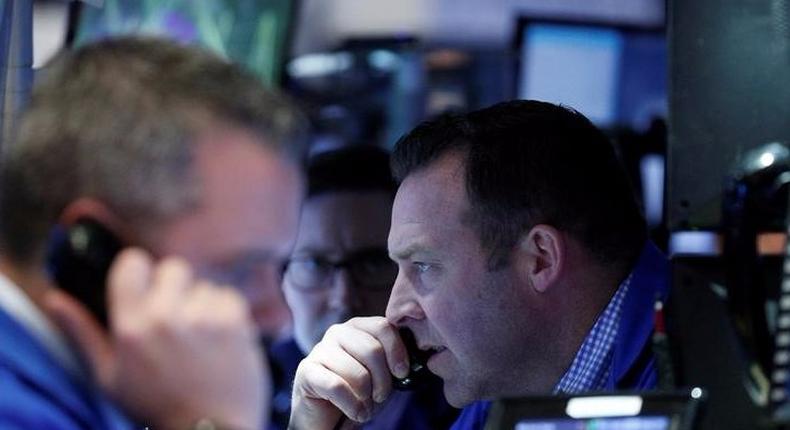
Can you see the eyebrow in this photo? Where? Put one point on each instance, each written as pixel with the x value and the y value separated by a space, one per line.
pixel 409 251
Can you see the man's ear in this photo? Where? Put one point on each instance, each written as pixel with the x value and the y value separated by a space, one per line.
pixel 90 208
pixel 540 257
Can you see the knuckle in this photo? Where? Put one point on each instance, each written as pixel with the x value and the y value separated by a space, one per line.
pixel 177 263
pixel 306 370
pixel 380 325
pixel 214 324
pixel 236 303
pixel 360 380
pixel 200 323
pixel 336 386
pixel 176 266
pixel 333 331
pixel 375 349
pixel 159 323
pixel 129 335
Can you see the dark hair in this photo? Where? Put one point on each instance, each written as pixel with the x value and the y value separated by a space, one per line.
pixel 529 163
pixel 117 121
pixel 352 168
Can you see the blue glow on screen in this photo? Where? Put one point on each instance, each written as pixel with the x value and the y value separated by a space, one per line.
pixel 574 65
pixel 622 423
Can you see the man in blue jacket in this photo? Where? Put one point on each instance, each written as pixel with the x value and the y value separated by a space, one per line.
pixel 523 268
pixel 192 166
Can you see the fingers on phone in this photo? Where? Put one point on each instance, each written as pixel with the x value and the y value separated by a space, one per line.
pixel 387 335
pixel 327 383
pixel 352 367
pixel 369 352
pixel 128 282
pixel 171 281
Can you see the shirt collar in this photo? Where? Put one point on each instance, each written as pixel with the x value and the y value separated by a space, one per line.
pixel 591 366
pixel 19 306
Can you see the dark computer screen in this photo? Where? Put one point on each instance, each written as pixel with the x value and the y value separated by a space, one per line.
pixel 728 96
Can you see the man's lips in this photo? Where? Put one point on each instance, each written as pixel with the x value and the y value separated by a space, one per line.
pixel 434 354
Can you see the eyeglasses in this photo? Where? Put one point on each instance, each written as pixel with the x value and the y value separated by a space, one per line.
pixel 370 270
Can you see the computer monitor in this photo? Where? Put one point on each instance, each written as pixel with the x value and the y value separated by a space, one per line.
pixel 253 33
pixel 613 74
pixel 726 98
pixel 627 411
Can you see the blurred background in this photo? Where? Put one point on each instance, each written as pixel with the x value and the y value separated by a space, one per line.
pixel 368 71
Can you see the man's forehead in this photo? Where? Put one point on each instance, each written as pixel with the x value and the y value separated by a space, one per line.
pixel 436 190
pixel 430 204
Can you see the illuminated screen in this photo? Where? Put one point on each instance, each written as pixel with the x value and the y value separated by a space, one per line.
pixel 249 32
pixel 577 66
pixel 614 76
pixel 622 423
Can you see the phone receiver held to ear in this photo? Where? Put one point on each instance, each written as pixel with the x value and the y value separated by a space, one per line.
pixel 418 368
pixel 80 259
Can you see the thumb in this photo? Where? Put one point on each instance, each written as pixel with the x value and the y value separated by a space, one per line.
pixel 84 331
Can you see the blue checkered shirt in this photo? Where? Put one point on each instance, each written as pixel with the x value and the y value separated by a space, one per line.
pixel 590 368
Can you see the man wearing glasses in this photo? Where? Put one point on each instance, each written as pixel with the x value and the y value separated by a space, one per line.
pixel 340 269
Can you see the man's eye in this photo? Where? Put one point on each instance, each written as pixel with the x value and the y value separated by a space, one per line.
pixel 315 264
pixel 309 265
pixel 241 276
pixel 421 267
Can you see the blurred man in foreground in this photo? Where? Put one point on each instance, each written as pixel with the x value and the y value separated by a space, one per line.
pixel 192 167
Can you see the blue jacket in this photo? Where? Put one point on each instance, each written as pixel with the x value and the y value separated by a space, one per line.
pixel 633 363
pixel 37 393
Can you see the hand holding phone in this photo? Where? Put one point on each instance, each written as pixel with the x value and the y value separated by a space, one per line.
pixel 418 368
pixel 179 348
pixel 348 374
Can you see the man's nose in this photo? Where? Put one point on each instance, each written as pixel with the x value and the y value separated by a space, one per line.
pixel 342 296
pixel 403 302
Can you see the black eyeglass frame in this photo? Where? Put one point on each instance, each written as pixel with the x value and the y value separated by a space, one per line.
pixel 353 263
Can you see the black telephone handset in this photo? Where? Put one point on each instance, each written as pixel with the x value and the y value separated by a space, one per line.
pixel 418 368
pixel 80 258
